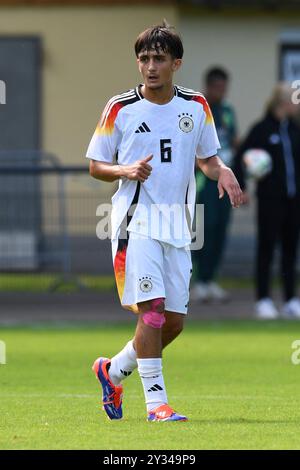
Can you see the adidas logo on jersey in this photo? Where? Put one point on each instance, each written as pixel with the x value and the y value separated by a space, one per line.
pixel 143 128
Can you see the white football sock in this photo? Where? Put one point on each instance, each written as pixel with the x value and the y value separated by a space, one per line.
pixel 122 364
pixel 150 371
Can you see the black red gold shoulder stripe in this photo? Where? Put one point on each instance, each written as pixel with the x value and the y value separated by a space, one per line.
pixel 108 117
pixel 191 95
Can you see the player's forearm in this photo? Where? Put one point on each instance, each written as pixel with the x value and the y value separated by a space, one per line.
pixel 211 167
pixel 137 171
pixel 106 172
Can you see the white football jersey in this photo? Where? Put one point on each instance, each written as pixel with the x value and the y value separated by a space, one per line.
pixel 132 128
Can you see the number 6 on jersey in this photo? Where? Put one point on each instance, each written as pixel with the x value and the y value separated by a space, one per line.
pixel 165 151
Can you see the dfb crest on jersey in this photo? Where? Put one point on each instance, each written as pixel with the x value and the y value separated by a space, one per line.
pixel 146 284
pixel 186 123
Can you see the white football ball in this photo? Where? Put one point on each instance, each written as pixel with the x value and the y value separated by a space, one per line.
pixel 258 163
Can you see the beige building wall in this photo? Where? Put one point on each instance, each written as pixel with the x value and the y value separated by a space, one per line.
pixel 88 57
pixel 245 45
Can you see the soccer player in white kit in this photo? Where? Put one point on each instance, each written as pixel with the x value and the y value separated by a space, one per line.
pixel 156 132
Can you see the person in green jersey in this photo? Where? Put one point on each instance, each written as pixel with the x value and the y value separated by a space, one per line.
pixel 206 262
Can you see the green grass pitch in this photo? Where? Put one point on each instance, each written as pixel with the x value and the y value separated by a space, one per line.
pixel 234 380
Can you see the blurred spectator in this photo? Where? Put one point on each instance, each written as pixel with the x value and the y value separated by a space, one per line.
pixel 217 212
pixel 278 200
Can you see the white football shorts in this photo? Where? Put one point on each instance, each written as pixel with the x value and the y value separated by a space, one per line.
pixel 147 269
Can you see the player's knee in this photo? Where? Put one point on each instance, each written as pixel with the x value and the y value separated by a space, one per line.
pixel 154 319
pixel 155 316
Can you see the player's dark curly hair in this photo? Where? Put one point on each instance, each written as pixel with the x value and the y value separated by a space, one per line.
pixel 162 37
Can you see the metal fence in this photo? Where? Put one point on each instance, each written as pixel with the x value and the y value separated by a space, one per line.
pixel 48 222
pixel 48 218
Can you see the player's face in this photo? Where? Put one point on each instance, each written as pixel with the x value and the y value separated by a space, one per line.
pixel 157 68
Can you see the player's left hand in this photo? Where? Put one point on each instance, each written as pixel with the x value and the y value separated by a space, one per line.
pixel 228 182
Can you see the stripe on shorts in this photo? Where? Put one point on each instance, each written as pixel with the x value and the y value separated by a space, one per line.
pixel 120 258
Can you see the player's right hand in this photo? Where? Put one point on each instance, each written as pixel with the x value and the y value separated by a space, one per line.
pixel 139 170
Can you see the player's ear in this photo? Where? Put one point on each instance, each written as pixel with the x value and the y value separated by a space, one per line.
pixel 177 64
pixel 138 64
